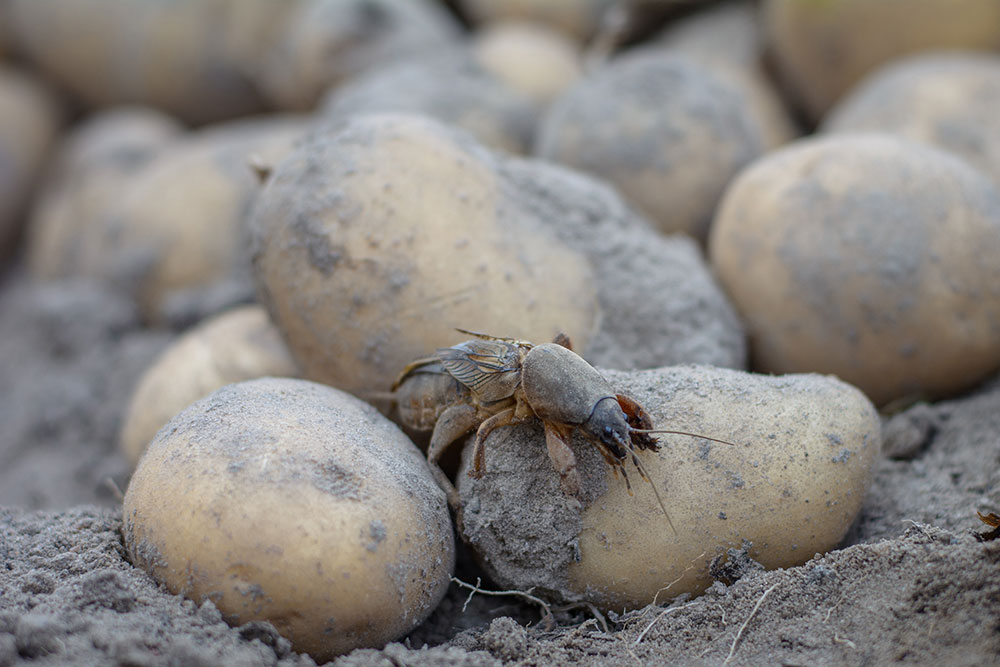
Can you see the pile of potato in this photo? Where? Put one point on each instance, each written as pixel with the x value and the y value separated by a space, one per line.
pixel 312 194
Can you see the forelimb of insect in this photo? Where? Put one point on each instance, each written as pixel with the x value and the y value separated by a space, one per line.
pixel 556 441
pixel 453 423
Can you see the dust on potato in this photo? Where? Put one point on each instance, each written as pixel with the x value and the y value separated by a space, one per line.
pixel 869 257
pixel 294 503
pixel 234 346
pixel 792 483
pixel 659 302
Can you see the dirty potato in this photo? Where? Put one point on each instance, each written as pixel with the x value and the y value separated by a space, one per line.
pixel 377 238
pixel 576 18
pixel 90 171
pixel 294 503
pixel 869 257
pixel 949 100
pixel 533 60
pixel 189 57
pixel 327 42
pixel 31 118
pixel 237 345
pixel 822 49
pixel 727 39
pixel 793 480
pixel 448 85
pixel 664 129
pixel 175 228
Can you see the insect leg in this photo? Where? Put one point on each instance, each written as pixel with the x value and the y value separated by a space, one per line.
pixel 410 367
pixel 563 458
pixel 501 418
pixel 563 339
pixel 450 426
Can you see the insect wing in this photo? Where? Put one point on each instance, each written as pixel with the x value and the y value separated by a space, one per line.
pixel 490 368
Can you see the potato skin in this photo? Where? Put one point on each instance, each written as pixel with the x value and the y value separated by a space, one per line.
pixel 661 127
pixel 378 238
pixel 948 100
pixel 821 49
pixel 31 118
pixel 292 502
pixel 868 257
pixel 237 345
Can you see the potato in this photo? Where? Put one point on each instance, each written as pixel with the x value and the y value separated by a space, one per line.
pixel 869 257
pixel 291 502
pixel 822 49
pixel 189 57
pixel 31 118
pixel 665 130
pixel 176 227
pixel 535 61
pixel 89 172
pixel 449 86
pixel 380 236
pixel 949 100
pixel 327 42
pixel 237 345
pixel 577 18
pixel 726 38
pixel 790 485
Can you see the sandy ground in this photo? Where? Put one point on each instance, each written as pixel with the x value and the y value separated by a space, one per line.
pixel 911 583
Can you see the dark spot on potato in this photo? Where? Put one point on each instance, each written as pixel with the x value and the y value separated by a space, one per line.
pixel 323 256
pixel 376 533
pixel 329 477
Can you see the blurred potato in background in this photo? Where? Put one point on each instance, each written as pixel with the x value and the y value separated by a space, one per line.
pixel 532 59
pixel 94 161
pixel 30 117
pixel 822 49
pixel 664 129
pixel 327 42
pixel 449 86
pixel 950 100
pixel 577 18
pixel 191 58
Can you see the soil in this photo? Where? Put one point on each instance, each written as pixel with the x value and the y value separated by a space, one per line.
pixel 910 583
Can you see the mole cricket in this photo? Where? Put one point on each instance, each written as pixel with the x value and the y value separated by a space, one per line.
pixel 488 382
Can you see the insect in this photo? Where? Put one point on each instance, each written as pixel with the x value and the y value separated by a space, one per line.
pixel 489 382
